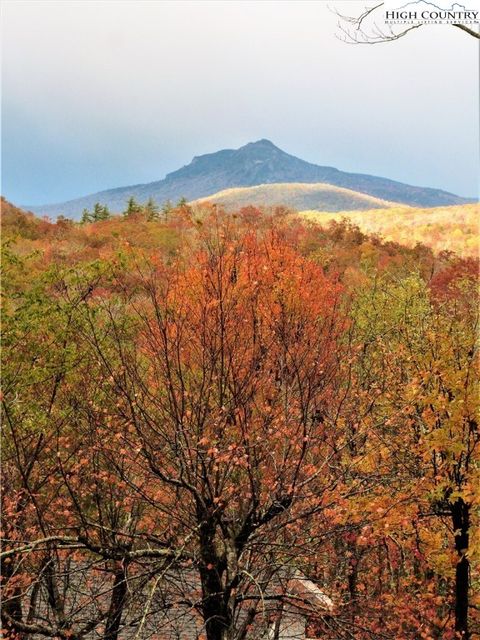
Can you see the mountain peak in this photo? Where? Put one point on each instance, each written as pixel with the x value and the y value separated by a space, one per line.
pixel 263 146
pixel 263 142
pixel 256 163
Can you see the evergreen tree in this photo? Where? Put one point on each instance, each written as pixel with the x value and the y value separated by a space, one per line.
pixel 132 207
pixel 100 212
pixel 182 202
pixel 166 209
pixel 86 217
pixel 151 210
pixel 106 213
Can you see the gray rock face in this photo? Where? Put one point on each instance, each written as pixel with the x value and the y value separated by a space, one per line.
pixel 255 163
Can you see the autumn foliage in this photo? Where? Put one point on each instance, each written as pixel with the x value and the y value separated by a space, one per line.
pixel 205 404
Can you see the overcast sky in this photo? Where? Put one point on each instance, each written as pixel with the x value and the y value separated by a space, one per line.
pixel 106 94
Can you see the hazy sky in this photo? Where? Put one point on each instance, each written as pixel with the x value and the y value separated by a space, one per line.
pixel 105 94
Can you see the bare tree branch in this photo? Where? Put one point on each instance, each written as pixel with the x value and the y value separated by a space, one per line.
pixel 355 31
pixel 471 32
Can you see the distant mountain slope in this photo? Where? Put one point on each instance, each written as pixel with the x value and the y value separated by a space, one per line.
pixel 452 228
pixel 299 196
pixel 255 163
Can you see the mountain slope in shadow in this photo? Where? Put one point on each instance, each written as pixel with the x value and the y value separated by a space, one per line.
pixel 256 163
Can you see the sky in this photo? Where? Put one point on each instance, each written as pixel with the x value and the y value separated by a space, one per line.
pixel 97 95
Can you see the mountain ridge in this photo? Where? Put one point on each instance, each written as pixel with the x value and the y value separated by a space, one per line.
pixel 253 164
pixel 297 196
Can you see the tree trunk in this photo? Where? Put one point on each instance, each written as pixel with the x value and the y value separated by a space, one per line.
pixel 215 609
pixel 352 579
pixel 215 613
pixel 12 608
pixel 461 524
pixel 117 603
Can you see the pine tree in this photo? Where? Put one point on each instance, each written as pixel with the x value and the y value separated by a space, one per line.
pixel 86 217
pixel 106 213
pixel 166 209
pixel 132 207
pixel 100 212
pixel 151 210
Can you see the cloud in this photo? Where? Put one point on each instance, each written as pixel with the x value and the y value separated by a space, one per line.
pixel 103 94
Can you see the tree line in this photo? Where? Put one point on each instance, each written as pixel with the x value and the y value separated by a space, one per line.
pixel 150 210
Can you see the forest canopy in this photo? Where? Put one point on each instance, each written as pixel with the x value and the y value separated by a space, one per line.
pixel 196 405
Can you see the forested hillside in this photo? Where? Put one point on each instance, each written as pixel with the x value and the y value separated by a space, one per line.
pixel 454 228
pixel 234 398
pixel 297 195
